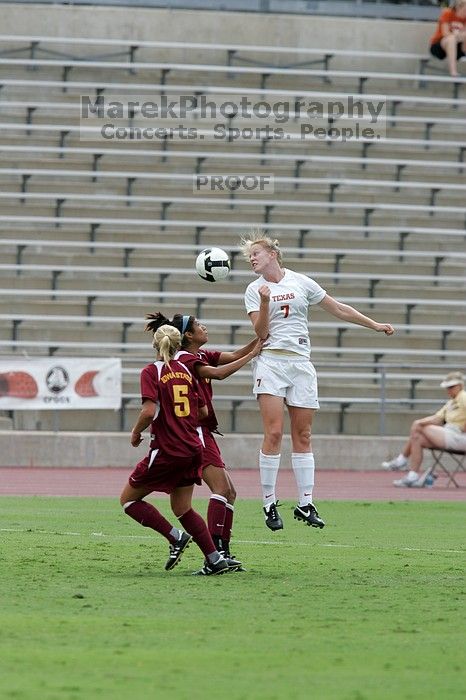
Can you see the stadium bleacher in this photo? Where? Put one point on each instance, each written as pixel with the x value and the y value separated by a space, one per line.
pixel 380 223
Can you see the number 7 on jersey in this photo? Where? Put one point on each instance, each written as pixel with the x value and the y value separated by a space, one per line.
pixel 286 310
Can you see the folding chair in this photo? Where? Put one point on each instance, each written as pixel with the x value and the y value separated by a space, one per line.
pixel 458 463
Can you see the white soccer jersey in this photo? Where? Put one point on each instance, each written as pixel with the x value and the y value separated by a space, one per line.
pixel 288 310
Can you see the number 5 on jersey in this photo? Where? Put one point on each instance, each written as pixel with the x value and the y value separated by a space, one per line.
pixel 181 400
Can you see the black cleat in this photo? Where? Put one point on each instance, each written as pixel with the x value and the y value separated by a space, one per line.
pixel 177 549
pixel 220 567
pixel 309 515
pixel 272 517
pixel 233 563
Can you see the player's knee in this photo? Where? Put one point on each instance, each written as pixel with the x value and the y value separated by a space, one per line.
pixel 216 480
pixel 231 498
pixel 274 437
pixel 303 437
pixel 223 491
pixel 179 511
pixel 228 493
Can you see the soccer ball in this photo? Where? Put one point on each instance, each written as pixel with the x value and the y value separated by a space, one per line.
pixel 213 264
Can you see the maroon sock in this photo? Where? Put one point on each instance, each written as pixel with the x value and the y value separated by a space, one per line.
pixel 228 524
pixel 216 513
pixel 194 524
pixel 148 516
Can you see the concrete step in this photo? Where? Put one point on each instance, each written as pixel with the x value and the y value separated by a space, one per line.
pixel 354 241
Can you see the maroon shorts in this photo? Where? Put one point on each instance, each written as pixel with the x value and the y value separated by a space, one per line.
pixel 165 472
pixel 212 453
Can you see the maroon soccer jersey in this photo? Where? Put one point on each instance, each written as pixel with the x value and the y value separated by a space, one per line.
pixel 203 357
pixel 175 391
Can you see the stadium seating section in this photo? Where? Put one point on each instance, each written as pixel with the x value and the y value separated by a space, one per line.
pixel 96 233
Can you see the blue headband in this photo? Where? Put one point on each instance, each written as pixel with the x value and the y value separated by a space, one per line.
pixel 184 324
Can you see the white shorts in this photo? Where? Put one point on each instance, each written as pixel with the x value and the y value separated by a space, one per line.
pixel 293 378
pixel 454 438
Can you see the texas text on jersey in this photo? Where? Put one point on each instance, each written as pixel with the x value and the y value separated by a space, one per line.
pixel 288 310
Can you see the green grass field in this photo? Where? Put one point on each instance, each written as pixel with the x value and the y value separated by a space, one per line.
pixel 371 607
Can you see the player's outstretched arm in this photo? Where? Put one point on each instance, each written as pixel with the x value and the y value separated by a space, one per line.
pixel 224 371
pixel 345 312
pixel 226 357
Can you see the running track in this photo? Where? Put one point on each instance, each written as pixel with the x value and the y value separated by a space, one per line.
pixel 330 485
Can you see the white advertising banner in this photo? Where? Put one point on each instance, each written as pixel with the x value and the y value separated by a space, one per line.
pixel 60 383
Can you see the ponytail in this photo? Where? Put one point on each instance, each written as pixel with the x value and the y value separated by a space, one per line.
pixel 154 321
pixel 167 340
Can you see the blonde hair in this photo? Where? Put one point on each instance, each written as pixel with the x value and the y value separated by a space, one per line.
pixel 259 237
pixel 458 3
pixel 167 340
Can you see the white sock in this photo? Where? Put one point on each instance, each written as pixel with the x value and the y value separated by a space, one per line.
pixel 268 466
pixel 401 460
pixel 303 467
pixel 176 534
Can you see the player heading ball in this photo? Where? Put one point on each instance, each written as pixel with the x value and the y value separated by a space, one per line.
pixel 278 303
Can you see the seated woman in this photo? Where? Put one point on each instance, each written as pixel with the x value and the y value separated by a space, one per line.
pixel 445 429
pixel 449 40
